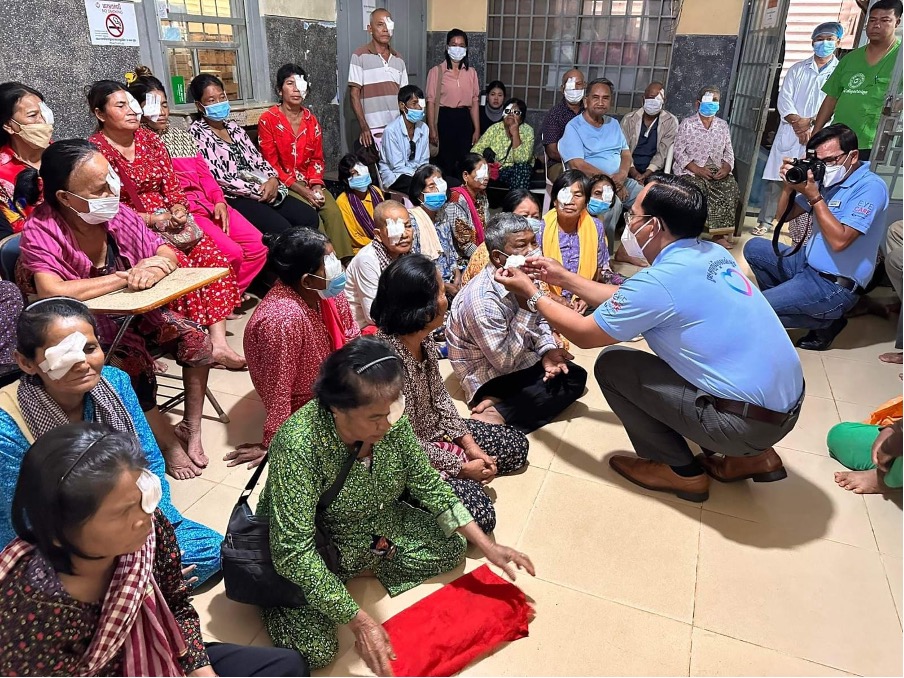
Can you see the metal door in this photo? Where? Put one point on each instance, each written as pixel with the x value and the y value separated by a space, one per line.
pixel 408 39
pixel 886 156
pixel 763 29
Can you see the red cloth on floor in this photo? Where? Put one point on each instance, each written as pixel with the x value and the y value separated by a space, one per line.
pixel 466 619
pixel 368 330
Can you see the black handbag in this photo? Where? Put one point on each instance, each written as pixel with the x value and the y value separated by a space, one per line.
pixel 248 572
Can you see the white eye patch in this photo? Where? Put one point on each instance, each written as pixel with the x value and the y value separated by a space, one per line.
pixel 707 98
pixel 396 410
pixel 570 83
pixel 423 104
pixel 359 170
pixel 515 261
pixel 301 84
pixel 151 491
pixel 608 194
pixel 133 104
pixel 46 113
pixel 565 196
pixel 441 185
pixel 59 359
pixel 482 173
pixel 113 181
pixel 390 25
pixel 152 107
pixel 395 229
pixel 332 267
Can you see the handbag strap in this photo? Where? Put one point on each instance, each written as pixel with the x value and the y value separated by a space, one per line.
pixel 325 499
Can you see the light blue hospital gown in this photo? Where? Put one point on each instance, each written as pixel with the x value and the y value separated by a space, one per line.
pixel 200 544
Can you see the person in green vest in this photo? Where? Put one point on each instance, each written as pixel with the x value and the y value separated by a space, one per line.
pixel 855 92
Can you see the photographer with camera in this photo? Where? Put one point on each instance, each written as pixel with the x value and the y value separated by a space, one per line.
pixel 813 288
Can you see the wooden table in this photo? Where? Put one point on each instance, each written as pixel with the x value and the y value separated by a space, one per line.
pixel 129 304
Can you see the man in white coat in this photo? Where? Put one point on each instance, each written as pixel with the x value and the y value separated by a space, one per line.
pixel 798 103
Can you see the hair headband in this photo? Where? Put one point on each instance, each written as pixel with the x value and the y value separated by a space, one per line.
pixel 79 458
pixel 366 367
pixel 48 299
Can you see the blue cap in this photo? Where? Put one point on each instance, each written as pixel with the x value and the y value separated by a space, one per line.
pixel 828 27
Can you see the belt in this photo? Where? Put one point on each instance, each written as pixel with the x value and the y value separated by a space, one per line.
pixel 751 411
pixel 841 281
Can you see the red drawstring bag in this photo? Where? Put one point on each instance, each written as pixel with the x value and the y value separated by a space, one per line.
pixel 466 619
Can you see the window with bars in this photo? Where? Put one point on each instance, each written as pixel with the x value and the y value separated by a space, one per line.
pixel 532 43
pixel 207 36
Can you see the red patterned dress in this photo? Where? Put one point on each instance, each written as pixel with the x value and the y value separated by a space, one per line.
pixel 157 187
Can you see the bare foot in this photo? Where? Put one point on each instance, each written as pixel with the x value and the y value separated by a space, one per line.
pixel 234 316
pixel 178 465
pixel 894 357
pixel 725 241
pixel 227 358
pixel 486 411
pixel 160 367
pixel 860 482
pixel 191 442
pixel 622 256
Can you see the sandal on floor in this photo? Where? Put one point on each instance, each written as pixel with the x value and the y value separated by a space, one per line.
pixel 724 241
pixel 762 229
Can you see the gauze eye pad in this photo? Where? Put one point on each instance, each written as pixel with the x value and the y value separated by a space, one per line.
pixel 59 359
pixel 565 196
pixel 396 410
pixel 151 491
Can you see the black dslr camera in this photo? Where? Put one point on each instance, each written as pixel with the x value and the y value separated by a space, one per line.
pixel 798 173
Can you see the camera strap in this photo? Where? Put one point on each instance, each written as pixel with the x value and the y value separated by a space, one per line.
pixel 777 233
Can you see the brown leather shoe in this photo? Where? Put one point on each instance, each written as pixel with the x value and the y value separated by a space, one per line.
pixel 766 467
pixel 654 475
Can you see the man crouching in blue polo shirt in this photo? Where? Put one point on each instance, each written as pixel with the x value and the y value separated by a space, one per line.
pixel 814 287
pixel 723 373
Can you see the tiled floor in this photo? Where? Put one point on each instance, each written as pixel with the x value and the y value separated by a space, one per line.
pixel 791 578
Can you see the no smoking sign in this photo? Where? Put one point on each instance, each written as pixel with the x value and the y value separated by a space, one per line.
pixel 114 25
pixel 112 22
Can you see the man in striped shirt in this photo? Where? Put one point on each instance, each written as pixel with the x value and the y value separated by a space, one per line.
pixel 375 75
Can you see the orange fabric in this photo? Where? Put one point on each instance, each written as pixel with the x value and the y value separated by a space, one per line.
pixel 887 413
pixel 443 633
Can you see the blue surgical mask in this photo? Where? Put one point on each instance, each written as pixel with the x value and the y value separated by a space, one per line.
pixel 359 182
pixel 597 206
pixel 414 115
pixel 434 201
pixel 709 108
pixel 217 112
pixel 824 48
pixel 334 287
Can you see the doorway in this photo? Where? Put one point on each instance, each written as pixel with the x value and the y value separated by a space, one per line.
pixel 407 39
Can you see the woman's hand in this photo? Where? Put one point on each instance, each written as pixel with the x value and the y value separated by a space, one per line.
pixel 881 458
pixel 578 304
pixel 723 172
pixel 477 470
pixel 179 214
pixel 475 137
pixel 143 278
pixel 160 221
pixel 504 557
pixel 187 572
pixel 317 198
pixel 167 266
pixel 474 451
pixel 434 137
pixel 252 453
pixel 221 216
pixel 268 189
pixel 372 643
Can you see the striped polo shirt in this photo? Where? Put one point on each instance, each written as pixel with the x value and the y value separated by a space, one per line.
pixel 380 82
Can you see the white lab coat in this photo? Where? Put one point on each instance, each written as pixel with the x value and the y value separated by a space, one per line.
pixel 801 94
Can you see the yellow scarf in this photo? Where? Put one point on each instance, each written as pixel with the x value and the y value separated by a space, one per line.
pixel 587 241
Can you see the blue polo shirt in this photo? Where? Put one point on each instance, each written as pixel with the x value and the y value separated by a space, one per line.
pixel 704 318
pixel 600 146
pixel 860 202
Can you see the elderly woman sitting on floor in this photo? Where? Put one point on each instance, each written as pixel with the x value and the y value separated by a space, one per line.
pixel 704 156
pixel 357 417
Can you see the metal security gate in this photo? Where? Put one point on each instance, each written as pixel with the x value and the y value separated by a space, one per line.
pixel 763 30
pixel 408 39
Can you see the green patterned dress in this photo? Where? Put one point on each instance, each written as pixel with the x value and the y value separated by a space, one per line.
pixel 306 455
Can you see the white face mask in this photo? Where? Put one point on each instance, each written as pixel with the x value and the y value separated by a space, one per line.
pixel 396 410
pixel 565 196
pixel 151 109
pixel 390 25
pixel 836 173
pixel 395 229
pixel 629 241
pixel 653 106
pixel 482 173
pixel 133 104
pixel 301 84
pixel 100 210
pixel 457 53
pixel 151 491
pixel 59 359
pixel 46 113
pixel 441 185
pixel 572 95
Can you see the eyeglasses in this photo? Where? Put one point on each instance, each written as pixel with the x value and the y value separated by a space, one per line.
pixel 412 149
pixel 834 159
pixel 512 111
pixel 631 217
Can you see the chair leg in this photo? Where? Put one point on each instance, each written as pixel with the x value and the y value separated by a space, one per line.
pixel 224 418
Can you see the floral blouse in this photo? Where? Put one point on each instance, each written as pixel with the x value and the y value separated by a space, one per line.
pixel 227 161
pixel 695 143
pixel 498 139
pixel 428 403
pixel 46 632
pixel 455 218
pixel 151 171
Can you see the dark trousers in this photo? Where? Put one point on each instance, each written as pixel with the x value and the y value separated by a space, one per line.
pixel 241 660
pixel 526 402
pixel 402 184
pixel 659 409
pixel 269 219
pixel 455 131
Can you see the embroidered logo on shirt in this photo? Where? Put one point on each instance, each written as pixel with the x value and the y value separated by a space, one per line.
pixel 737 281
pixel 863 208
pixel 856 80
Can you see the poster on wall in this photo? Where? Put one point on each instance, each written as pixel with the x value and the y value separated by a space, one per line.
pixel 770 17
pixel 112 23
pixel 367 6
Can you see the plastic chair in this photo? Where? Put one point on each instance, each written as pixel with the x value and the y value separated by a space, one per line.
pixel 9 255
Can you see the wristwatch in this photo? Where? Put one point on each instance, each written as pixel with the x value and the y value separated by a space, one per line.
pixel 532 302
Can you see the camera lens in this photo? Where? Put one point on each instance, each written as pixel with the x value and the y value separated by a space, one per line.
pixel 797 174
